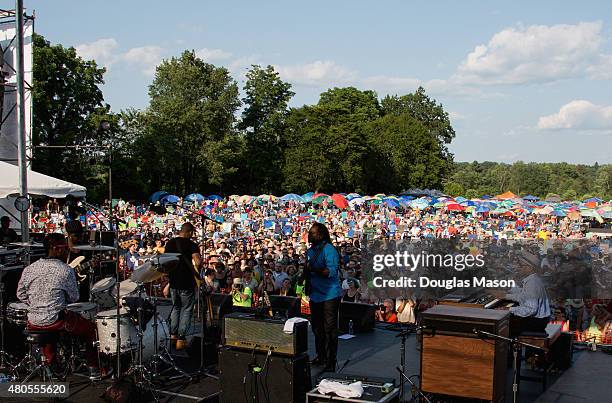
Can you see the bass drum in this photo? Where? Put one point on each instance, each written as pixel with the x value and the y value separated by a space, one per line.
pixel 106 324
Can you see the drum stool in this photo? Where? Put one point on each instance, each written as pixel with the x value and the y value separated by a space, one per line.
pixel 35 361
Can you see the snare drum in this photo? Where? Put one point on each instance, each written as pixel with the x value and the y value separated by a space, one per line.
pixel 17 313
pixel 127 288
pixel 85 309
pixel 106 324
pixel 103 291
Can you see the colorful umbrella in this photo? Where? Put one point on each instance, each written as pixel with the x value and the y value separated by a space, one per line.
pixel 292 196
pixel 307 197
pixel 454 207
pixel 214 197
pixel 170 199
pixel 157 196
pixel 340 201
pixel 194 197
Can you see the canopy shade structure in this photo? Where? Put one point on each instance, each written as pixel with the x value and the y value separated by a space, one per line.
pixel 38 184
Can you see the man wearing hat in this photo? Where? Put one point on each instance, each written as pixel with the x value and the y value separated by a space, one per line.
pixel 533 311
pixel 241 295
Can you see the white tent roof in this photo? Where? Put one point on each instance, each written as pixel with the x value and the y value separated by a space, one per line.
pixel 38 184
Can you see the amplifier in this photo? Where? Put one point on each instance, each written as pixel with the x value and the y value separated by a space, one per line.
pixel 258 377
pixel 455 362
pixel 254 333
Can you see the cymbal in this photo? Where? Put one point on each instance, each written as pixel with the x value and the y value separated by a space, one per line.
pixel 25 244
pixel 95 248
pixel 154 268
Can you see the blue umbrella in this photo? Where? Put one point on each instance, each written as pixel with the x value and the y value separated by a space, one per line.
pixel 558 213
pixel 460 199
pixel 291 196
pixel 593 199
pixel 157 196
pixel 169 199
pixel 393 203
pixel 352 196
pixel 482 209
pixel 307 197
pixel 214 197
pixel 194 197
pixel 530 197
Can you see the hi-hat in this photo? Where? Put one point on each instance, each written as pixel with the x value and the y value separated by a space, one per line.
pixel 95 248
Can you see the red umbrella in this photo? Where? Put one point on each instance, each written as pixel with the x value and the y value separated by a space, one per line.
pixel 455 207
pixel 339 201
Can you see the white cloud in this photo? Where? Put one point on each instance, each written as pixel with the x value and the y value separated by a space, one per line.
pixel 210 55
pixel 537 53
pixel 579 115
pixel 147 57
pixel 601 70
pixel 102 51
pixel 318 73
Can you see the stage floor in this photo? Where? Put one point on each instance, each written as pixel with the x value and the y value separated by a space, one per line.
pixel 377 354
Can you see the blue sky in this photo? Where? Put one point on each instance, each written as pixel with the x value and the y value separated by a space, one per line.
pixel 522 80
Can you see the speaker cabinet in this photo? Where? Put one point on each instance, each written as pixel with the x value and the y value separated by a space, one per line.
pixel 259 377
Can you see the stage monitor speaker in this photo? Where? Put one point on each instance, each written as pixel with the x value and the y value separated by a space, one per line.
pixel 362 315
pixel 258 377
pixel 285 307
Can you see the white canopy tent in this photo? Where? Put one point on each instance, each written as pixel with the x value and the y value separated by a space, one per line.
pixel 38 185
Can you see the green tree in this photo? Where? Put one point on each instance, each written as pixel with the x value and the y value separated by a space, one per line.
pixel 414 157
pixel 66 96
pixel 426 110
pixel 263 120
pixel 192 111
pixel 327 145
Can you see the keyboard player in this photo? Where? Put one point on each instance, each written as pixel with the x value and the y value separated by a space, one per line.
pixel 533 310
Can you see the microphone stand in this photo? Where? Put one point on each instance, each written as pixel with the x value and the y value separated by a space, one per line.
pixel 516 345
pixel 402 368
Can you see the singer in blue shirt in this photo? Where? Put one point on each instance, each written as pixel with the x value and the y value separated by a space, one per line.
pixel 325 294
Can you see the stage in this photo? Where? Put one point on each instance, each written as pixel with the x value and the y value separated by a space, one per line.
pixel 377 354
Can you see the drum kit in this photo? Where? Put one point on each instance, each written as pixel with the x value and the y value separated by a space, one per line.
pixel 144 334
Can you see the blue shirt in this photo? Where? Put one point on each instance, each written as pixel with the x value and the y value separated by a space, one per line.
pixel 324 288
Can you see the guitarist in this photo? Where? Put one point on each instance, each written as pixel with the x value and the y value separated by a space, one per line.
pixel 182 282
pixel 323 287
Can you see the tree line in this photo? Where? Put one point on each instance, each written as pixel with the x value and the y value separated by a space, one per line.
pixel 568 181
pixel 199 133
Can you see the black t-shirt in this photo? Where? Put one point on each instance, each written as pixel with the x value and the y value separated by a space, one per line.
pixel 182 277
pixel 7 236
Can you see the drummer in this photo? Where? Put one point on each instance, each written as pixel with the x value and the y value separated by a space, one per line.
pixel 47 286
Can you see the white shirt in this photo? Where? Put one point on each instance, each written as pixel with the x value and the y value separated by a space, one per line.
pixel 532 298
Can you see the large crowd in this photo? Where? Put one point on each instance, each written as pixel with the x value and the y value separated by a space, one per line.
pixel 263 240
